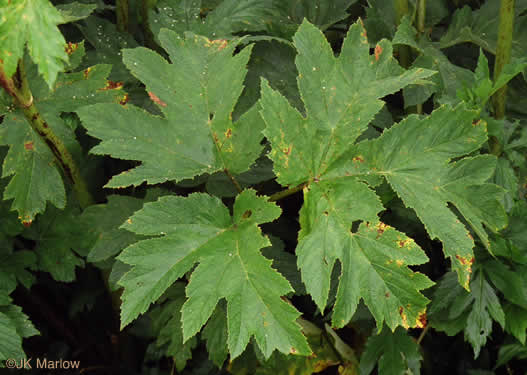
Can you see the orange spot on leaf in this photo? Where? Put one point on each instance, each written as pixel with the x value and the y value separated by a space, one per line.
pixel 220 43
pixel 71 47
pixel 359 159
pixel 156 100
pixel 403 317
pixel 111 85
pixel 124 99
pixel 378 51
pixel 465 261
pixel 380 227
pixel 28 146
pixel 421 321
pixel 87 72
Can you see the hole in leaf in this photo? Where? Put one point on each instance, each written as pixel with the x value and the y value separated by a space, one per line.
pixel 355 226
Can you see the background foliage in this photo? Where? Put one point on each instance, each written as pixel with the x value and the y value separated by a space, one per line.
pixel 263 186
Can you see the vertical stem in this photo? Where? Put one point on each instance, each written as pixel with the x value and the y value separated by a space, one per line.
pixel 503 52
pixel 503 55
pixel 18 87
pixel 121 8
pixel 421 16
pixel 402 9
pixel 150 42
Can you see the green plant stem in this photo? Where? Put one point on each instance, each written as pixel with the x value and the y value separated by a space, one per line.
pixel 121 8
pixel 233 180
pixel 423 334
pixel 150 42
pixel 18 87
pixel 503 53
pixel 421 17
pixel 285 193
pixel 401 10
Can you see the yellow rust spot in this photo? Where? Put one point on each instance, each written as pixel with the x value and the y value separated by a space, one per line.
pixel 403 317
pixel 399 262
pixel 466 262
pixel 476 123
pixel 421 321
pixel 129 221
pixel 358 158
pixel 111 85
pixel 380 227
pixel 124 99
pixel 71 47
pixel 87 73
pixel 228 133
pixel 218 43
pixel 407 242
pixel 28 146
pixel 265 324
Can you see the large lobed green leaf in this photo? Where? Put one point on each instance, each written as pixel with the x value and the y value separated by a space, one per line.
pixel 196 134
pixel 199 229
pixel 341 96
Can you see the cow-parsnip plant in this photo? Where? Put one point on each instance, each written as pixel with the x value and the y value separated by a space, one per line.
pixel 264 186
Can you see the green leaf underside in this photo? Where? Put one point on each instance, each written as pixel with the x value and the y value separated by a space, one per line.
pixel 341 96
pixel 104 238
pixel 14 325
pixel 166 324
pixel 455 309
pixel 196 134
pixel 228 18
pixel 480 27
pixel 36 179
pixel 199 229
pixel 33 22
pixel 485 308
pixel 396 353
